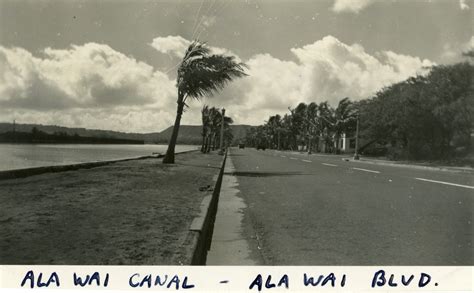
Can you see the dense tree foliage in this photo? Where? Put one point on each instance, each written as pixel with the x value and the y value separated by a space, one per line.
pixel 424 117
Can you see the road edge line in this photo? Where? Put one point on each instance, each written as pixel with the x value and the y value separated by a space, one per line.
pixel 445 183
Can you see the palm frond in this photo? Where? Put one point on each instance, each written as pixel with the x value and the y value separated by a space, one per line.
pixel 201 74
pixel 196 49
pixel 228 120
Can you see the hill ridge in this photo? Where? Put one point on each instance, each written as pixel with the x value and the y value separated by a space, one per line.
pixel 188 134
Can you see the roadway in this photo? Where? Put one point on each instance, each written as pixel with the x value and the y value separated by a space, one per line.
pixel 321 210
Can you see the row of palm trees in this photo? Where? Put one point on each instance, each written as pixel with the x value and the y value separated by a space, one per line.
pixel 310 127
pixel 211 129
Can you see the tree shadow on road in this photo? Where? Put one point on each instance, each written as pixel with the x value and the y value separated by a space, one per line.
pixel 264 174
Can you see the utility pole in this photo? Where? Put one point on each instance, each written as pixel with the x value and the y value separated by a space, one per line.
pixel 221 145
pixel 356 154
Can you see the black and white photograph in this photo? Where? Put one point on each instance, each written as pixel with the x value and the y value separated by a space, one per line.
pixel 237 132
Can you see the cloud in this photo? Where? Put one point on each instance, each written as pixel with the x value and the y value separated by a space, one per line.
pixel 119 119
pixel 453 53
pixel 91 75
pixel 208 21
pixel 176 46
pixel 328 70
pixel 354 6
pixel 95 86
pixel 81 79
pixel 463 5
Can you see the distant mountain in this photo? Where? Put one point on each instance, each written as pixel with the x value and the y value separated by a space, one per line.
pixel 191 134
pixel 188 134
pixel 51 129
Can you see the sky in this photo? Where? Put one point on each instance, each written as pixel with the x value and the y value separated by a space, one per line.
pixel 112 64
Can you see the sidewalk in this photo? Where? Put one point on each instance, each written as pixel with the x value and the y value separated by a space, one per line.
pixel 136 212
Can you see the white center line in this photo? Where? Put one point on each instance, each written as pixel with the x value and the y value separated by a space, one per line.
pixel 291 158
pixel 330 165
pixel 366 170
pixel 308 161
pixel 447 183
pixel 283 156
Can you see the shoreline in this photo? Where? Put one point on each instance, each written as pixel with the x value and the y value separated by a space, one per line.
pixel 26 172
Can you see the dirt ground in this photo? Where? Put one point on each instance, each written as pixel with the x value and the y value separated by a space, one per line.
pixel 132 213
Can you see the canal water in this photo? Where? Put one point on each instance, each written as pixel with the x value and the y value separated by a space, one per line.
pixel 19 156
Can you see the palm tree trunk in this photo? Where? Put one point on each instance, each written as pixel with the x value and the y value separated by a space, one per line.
pixel 336 150
pixel 203 141
pixel 208 143
pixel 169 157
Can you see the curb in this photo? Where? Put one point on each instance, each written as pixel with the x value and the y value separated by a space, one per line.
pixel 202 227
pixel 26 172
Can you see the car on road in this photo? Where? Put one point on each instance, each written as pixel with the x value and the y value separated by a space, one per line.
pixel 241 146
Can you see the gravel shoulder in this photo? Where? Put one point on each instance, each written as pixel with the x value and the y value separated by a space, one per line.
pixel 133 213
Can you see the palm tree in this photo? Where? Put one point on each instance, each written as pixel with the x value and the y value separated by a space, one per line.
pixel 299 125
pixel 200 73
pixel 214 121
pixel 344 119
pixel 228 135
pixel 274 130
pixel 325 124
pixel 312 124
pixel 205 125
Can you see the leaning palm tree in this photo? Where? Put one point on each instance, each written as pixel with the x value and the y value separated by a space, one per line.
pixel 205 125
pixel 200 73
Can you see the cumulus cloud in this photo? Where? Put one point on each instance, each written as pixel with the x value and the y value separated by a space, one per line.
pixel 463 4
pixel 351 5
pixel 92 75
pixel 176 46
pixel 88 77
pixel 97 87
pixel 173 45
pixel 327 70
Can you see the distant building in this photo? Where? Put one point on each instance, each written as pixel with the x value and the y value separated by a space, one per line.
pixel 347 143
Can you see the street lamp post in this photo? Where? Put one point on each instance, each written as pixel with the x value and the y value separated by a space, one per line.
pixel 279 130
pixel 356 153
pixel 221 145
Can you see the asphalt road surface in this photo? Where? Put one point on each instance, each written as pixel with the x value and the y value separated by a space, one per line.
pixel 321 210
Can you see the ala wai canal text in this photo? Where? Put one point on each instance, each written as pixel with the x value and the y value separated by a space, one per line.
pixel 260 282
